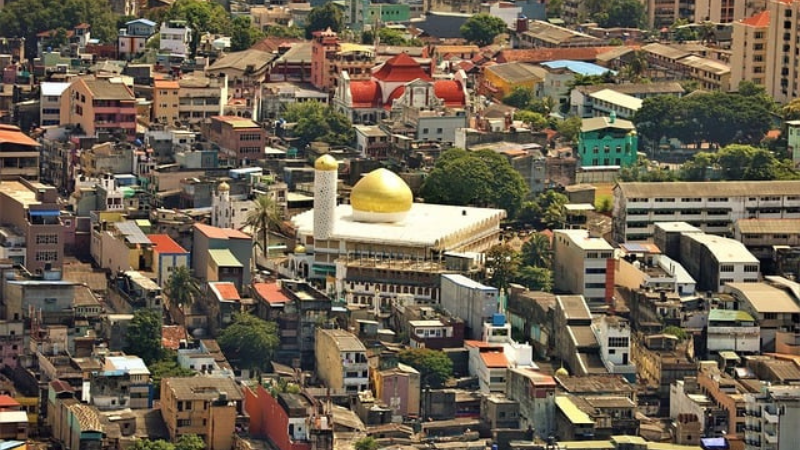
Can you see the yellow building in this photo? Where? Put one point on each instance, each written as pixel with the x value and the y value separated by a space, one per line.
pixel 499 80
pixel 165 101
pixel 210 407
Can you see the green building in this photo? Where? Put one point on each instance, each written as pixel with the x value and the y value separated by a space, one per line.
pixel 607 141
pixel 377 13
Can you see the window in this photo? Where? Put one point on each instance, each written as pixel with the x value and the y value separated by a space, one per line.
pixel 726 268
pixel 184 422
pixel 751 268
pixel 770 316
pixel 50 238
pixel 595 271
pixel 46 256
pixel 595 285
pixel 618 341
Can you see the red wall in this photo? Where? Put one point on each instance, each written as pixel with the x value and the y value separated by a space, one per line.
pixel 269 420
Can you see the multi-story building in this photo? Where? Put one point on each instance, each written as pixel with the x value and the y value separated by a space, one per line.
pixel 241 139
pixel 176 36
pixel 201 97
pixel 436 334
pixel 469 300
pixel 166 98
pixel 19 155
pixel 133 38
pixel 749 50
pixel 732 330
pixel 760 236
pixel 123 382
pixel 613 333
pixel 541 34
pixel 772 418
pixel 489 364
pixel 210 407
pixel 535 393
pixel 606 102
pixel 50 102
pixel 99 106
pixel 399 388
pixel 12 343
pixel 221 254
pixel 711 206
pixel 32 208
pixel 726 11
pixel 714 261
pixel 793 140
pixel 583 265
pixel 607 141
pixel 782 60
pixel 341 361
pixel 664 13
pixel 773 308
pixel 168 255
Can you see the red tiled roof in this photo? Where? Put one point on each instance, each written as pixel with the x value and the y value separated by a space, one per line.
pixel 61 386
pixel 226 290
pixel 164 244
pixel 480 344
pixel 365 94
pixel 271 293
pixel 450 92
pixel 397 93
pixel 166 84
pixel 219 233
pixel 16 137
pixel 401 68
pixel 760 20
pixel 773 134
pixel 494 359
pixel 6 401
pixel 272 43
pixel 541 55
pixel 172 335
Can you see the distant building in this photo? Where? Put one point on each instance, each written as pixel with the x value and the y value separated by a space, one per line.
pixel 583 265
pixel 99 106
pixel 749 50
pixel 176 35
pixel 469 300
pixel 50 102
pixel 133 38
pixel 341 361
pixel 772 418
pixel 607 141
pixel 32 208
pixel 715 261
pixel 168 255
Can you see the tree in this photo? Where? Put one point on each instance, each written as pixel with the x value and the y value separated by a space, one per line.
pixel 519 97
pixel 323 17
pixel 167 367
pixel 180 287
pixel 678 332
pixel 502 266
pixel 481 29
pixel 147 444
pixel 624 13
pixel 534 120
pixel 285 31
pixel 144 336
pixel 550 208
pixel 536 278
pixel 243 34
pixel 262 219
pixel 475 178
pixel 366 443
pixel 202 16
pixel 315 121
pixel 249 341
pixel 390 36
pixel 434 366
pixel 185 442
pixel 536 251
pixel 570 128
pixel 190 442
pixel 554 8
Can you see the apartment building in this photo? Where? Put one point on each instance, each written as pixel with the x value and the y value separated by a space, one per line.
pixel 210 407
pixel 341 361
pixel 583 265
pixel 726 11
pixel 732 330
pixel 201 97
pixel 489 364
pixel 473 302
pixel 50 102
pixel 32 208
pixel 749 50
pixel 772 418
pixel 714 261
pixel 166 97
pixel 133 38
pixel 774 309
pixel 19 154
pixel 613 333
pixel 782 50
pixel 711 206
pixel 664 13
pixel 241 139
pixel 761 236
pixel 99 106
pixel 176 36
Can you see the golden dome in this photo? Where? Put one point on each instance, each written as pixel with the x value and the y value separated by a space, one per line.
pixel 224 187
pixel 562 372
pixel 381 191
pixel 326 162
pixel 299 249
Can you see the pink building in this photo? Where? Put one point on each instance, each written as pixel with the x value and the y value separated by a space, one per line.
pixel 283 419
pixel 241 139
pixel 98 106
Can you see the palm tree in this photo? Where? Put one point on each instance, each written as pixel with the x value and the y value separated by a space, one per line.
pixel 536 252
pixel 262 219
pixel 180 287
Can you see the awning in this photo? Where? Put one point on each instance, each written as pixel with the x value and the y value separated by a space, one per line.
pixel 44 212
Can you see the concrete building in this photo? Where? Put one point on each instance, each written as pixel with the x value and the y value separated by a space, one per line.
pixel 664 13
pixel 19 155
pixel 581 100
pixel 761 236
pixel 99 106
pixel 468 300
pixel 167 256
pixel 341 361
pixel 614 336
pixel 749 50
pixel 176 35
pixel 133 38
pixel 50 102
pixel 732 330
pixel 501 79
pixel 607 141
pixel 781 59
pixel 32 208
pixel 399 388
pixel 166 98
pixel 772 418
pixel 583 265
pixel 123 382
pixel 221 254
pixel 201 97
pixel 535 393
pixel 715 261
pixel 711 206
pixel 774 309
pixel 488 364
pixel 210 407
pixel 793 140
pixel 242 140
pixel 720 11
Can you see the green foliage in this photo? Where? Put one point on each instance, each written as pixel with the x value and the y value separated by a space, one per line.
pixel 180 287
pixel 678 332
pixel 366 443
pixel 144 336
pixel 481 29
pixel 323 17
pixel 681 32
pixel 502 266
pixel 623 13
pixel 536 251
pixel 243 34
pixel 554 8
pixel 27 18
pixel 167 367
pixel 249 341
pixel 519 97
pixel 391 36
pixel 546 210
pixel 644 170
pixel 262 219
pixel 185 442
pixel 202 16
pixel 475 178
pixel 154 42
pixel 315 121
pixel 536 278
pixel 284 31
pixel 534 120
pixel 283 386
pixel 604 204
pixel 738 162
pixel 434 366
pixel 570 128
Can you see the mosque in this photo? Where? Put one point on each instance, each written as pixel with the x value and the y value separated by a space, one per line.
pixel 382 245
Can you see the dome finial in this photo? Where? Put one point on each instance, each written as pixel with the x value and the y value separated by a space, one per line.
pixel 326 162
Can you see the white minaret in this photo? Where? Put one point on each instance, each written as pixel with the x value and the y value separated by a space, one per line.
pixel 326 174
pixel 221 204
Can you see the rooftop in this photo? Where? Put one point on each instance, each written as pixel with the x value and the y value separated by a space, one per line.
pixel 723 249
pixel 219 233
pixel 729 315
pixel 618 98
pixel 164 244
pixel 203 388
pixel 574 307
pixel 517 72
pixel 344 340
pixel 708 189
pixel 764 298
pixel 103 89
pixel 768 226
pixel 596 384
pixel 271 293
pixel 579 67
pixel 603 123
pixel 225 290
pixel 583 241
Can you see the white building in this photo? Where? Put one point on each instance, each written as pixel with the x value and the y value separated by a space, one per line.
pixel 607 101
pixel 614 336
pixel 715 260
pixel 489 364
pixel 227 212
pixel 175 37
pixel 772 419
pixel 498 331
pixel 468 300
pixel 731 330
pixel 583 265
pixel 203 360
pixel 711 206
pixel 50 103
pixel 341 360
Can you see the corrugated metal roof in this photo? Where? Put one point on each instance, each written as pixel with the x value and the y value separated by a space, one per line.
pixel 573 413
pixel 132 232
pixel 709 189
pixel 224 258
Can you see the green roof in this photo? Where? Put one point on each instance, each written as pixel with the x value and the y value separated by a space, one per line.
pixel 224 258
pixel 573 413
pixel 729 315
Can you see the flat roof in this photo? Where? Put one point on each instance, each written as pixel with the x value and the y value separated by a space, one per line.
pixel 345 341
pixel 583 241
pixel 574 307
pixel 729 315
pixel 604 122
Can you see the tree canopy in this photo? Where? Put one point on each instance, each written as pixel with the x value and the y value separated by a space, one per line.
pixel 738 162
pixel 622 13
pixel 144 336
pixel 202 16
pixel 27 18
pixel 167 367
pixel 434 366
pixel 249 341
pixel 315 121
pixel 243 34
pixel 185 442
pixel 481 29
pixel 323 17
pixel 180 287
pixel 484 177
pixel 546 210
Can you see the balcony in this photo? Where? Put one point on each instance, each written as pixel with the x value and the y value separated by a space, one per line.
pixel 771 437
pixel 770 417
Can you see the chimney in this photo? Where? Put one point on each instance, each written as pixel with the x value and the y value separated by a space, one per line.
pixel 522 24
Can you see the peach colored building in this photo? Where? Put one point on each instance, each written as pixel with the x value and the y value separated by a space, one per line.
pixel 99 105
pixel 782 50
pixel 749 50
pixel 165 101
